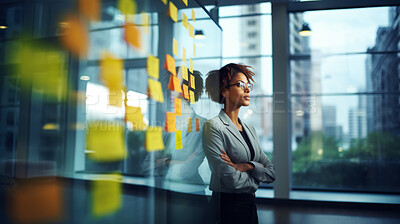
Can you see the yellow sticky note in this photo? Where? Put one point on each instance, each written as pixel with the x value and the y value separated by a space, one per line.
pixel 164 1
pixel 175 47
pixel 185 91
pixel 197 124
pixel 132 35
pixel 185 20
pixel 90 8
pixel 192 100
pixel 155 90
pixel 153 65
pixel 170 64
pixel 135 116
pixel 170 122
pixel 145 22
pixel 115 97
pixel 185 73
pixel 190 65
pixel 185 2
pixel 106 196
pixel 127 7
pixel 193 16
pixel 190 125
pixel 192 82
pixel 194 50
pixel 184 55
pixel 154 141
pixel 111 71
pixel 174 84
pixel 178 106
pixel 105 141
pixel 75 36
pixel 173 12
pixel 178 140
pixel 191 30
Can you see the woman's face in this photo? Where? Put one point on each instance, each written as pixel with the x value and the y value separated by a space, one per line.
pixel 234 94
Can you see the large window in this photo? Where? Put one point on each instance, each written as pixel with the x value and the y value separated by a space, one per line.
pixel 345 100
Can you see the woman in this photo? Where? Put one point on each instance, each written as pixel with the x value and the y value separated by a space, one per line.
pixel 235 157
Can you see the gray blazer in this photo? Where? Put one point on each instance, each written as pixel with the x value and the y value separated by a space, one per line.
pixel 220 133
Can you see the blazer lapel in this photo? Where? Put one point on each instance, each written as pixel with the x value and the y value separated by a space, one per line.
pixel 232 129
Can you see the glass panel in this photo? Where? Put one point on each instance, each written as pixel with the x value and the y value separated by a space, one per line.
pixel 346 142
pixel 238 10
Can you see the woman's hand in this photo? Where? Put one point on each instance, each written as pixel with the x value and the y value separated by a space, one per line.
pixel 243 167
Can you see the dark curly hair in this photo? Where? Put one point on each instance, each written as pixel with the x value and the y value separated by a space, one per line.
pixel 218 80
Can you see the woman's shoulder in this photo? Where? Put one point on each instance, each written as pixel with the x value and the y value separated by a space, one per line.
pixel 214 123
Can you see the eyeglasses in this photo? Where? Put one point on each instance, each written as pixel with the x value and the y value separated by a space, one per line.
pixel 242 85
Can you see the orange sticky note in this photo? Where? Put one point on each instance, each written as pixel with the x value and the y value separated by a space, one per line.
pixel 75 36
pixel 116 97
pixel 36 201
pixel 170 64
pixel 197 124
pixel 170 123
pixel 185 2
pixel 175 47
pixel 178 106
pixel 190 125
pixel 154 141
pixel 185 91
pixel 174 84
pixel 194 50
pixel 127 7
pixel 191 65
pixel 105 141
pixel 184 55
pixel 192 82
pixel 111 72
pixel 191 30
pixel 106 195
pixel 185 75
pixel 145 22
pixel 155 90
pixel 178 140
pixel 173 12
pixel 153 64
pixel 185 20
pixel 132 35
pixel 90 8
pixel 193 16
pixel 192 100
pixel 135 116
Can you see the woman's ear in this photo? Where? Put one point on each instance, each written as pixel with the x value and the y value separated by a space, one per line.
pixel 225 93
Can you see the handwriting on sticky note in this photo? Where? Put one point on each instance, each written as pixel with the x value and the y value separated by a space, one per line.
pixel 154 141
pixel 185 20
pixel 135 116
pixel 178 106
pixel 185 91
pixel 173 12
pixel 170 122
pixel 184 55
pixel 191 30
pixel 192 82
pixel 174 84
pixel 106 197
pixel 105 140
pixel 191 65
pixel 197 124
pixel 190 124
pixel 132 35
pixel 155 90
pixel 153 65
pixel 170 64
pixel 192 99
pixel 175 47
pixel 178 140
pixel 111 70
pixel 185 75
pixel 127 7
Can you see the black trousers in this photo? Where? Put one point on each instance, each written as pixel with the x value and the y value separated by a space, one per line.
pixel 233 208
